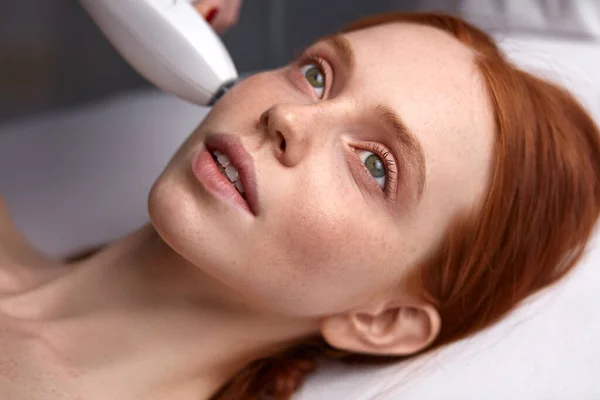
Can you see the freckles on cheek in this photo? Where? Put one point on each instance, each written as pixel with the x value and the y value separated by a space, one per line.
pixel 323 241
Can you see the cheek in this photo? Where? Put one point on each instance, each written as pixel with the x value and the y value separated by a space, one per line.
pixel 323 253
pixel 320 237
pixel 318 222
pixel 254 95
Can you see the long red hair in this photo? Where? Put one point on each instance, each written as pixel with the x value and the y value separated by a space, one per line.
pixel 533 226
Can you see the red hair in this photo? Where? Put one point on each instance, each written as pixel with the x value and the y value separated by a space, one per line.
pixel 540 210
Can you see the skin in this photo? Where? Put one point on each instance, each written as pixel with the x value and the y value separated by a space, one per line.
pixel 175 309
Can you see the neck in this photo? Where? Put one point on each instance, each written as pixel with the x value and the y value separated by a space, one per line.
pixel 138 312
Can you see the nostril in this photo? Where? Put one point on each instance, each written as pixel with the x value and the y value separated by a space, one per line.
pixel 282 143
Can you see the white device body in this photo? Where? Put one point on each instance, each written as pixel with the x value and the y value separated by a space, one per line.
pixel 169 43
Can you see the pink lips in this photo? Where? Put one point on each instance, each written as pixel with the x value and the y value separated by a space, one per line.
pixel 207 172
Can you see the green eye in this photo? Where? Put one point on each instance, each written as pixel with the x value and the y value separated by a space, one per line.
pixel 315 77
pixel 374 165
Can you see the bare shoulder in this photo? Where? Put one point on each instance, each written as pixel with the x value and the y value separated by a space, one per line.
pixel 5 224
pixel 3 208
pixel 7 229
pixel 9 271
pixel 21 265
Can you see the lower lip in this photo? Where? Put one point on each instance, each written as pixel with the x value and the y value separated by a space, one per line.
pixel 207 172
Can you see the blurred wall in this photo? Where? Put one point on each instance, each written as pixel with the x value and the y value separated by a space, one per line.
pixel 52 55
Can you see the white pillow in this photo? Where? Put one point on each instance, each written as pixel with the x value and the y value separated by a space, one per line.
pixel 83 178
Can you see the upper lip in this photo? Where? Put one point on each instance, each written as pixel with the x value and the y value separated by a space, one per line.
pixel 232 147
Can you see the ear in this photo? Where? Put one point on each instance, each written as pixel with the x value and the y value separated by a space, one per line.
pixel 389 330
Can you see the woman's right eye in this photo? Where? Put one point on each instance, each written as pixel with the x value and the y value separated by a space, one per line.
pixel 315 77
pixel 375 165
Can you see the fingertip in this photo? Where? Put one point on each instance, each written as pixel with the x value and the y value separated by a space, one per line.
pixel 212 13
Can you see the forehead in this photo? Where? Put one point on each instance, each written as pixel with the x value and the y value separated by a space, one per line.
pixel 403 64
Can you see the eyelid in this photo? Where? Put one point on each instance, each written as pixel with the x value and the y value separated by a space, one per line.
pixel 312 57
pixel 391 167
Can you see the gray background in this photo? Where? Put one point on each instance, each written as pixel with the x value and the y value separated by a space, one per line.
pixel 51 54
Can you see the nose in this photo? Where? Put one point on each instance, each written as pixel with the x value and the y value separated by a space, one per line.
pixel 289 129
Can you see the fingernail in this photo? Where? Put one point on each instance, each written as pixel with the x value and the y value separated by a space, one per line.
pixel 212 14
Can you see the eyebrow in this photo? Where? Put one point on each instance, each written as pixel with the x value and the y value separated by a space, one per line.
pixel 407 140
pixel 342 48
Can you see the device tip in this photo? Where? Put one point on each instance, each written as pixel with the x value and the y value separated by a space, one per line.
pixel 221 92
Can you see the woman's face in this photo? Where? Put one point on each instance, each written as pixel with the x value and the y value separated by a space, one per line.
pixel 363 150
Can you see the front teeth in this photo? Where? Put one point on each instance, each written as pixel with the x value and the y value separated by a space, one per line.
pixel 232 173
pixel 229 171
pixel 222 159
pixel 240 188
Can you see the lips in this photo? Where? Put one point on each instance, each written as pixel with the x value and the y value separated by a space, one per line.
pixel 207 172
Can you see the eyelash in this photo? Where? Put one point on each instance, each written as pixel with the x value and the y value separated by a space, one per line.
pixel 311 57
pixel 391 172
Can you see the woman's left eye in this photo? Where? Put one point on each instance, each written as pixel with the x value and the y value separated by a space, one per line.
pixel 315 77
pixel 375 165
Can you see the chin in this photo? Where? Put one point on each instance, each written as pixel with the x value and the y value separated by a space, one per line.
pixel 190 227
pixel 164 210
pixel 174 213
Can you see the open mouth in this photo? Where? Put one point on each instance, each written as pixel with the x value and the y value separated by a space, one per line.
pixel 229 171
pixel 226 169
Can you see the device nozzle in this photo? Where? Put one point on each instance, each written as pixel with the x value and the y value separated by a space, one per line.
pixel 222 90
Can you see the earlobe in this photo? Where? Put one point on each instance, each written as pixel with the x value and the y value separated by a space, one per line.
pixel 395 330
